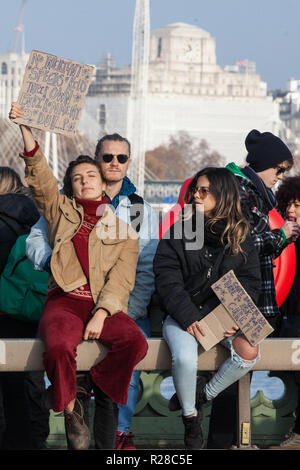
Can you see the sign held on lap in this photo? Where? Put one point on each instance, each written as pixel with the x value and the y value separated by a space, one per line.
pixel 236 307
pixel 53 93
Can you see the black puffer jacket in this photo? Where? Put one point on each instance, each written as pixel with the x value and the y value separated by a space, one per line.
pixel 18 214
pixel 179 271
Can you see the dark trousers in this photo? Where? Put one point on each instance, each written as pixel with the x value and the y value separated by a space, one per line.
pixel 24 422
pixel 106 413
pixel 105 420
pixel 222 432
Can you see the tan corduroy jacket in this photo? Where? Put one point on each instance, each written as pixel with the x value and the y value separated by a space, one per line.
pixel 113 244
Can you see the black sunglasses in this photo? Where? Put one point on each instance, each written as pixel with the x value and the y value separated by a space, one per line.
pixel 280 170
pixel 108 157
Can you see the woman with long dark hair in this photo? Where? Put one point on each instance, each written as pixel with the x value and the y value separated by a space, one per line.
pixel 179 269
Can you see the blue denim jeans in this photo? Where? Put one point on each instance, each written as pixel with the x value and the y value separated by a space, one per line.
pixel 184 350
pixel 126 411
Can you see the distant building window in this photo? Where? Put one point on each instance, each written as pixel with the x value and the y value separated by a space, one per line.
pixel 159 45
pixel 4 68
pixel 102 114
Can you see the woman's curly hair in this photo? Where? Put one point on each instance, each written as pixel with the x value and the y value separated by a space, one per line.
pixel 288 191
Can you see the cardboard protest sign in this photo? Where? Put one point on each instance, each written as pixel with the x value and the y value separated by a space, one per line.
pixel 53 93
pixel 236 307
pixel 214 325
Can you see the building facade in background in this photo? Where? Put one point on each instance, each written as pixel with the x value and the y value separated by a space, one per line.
pixel 12 68
pixel 289 110
pixel 187 90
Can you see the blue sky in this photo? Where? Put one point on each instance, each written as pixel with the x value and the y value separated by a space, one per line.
pixel 264 31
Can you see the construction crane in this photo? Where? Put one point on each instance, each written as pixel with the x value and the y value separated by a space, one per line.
pixel 20 27
pixel 50 138
pixel 137 109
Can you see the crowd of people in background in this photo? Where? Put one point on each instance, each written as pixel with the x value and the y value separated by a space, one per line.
pixel 96 261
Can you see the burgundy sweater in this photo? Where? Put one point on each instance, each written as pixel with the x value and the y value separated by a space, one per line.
pixel 91 216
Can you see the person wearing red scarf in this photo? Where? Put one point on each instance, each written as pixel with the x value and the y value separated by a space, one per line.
pixel 93 271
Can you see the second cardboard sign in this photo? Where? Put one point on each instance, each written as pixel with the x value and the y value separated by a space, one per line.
pixel 237 308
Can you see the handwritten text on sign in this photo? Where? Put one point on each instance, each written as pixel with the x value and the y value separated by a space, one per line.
pixel 242 308
pixel 53 92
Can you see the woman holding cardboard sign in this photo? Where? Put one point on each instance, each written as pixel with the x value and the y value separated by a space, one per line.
pixel 93 267
pixel 185 269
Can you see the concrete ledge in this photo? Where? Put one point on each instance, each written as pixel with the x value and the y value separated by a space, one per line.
pixel 26 355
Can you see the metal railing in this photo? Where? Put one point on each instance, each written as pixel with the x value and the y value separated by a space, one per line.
pixel 276 355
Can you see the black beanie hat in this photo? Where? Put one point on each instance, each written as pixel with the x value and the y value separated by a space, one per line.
pixel 265 150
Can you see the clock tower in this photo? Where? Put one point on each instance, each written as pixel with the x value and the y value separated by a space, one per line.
pixel 183 43
pixel 182 59
pixel 191 50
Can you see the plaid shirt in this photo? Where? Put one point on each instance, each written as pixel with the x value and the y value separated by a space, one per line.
pixel 269 243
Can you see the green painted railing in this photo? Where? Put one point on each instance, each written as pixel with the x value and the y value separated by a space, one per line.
pixel 155 426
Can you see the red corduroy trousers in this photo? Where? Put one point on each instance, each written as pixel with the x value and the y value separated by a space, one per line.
pixel 61 328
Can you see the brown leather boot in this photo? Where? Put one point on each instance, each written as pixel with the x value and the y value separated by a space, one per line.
pixel 78 434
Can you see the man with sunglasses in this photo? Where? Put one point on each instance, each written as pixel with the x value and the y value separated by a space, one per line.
pixel 268 160
pixel 112 154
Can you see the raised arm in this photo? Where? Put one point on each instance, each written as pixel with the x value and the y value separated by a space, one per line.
pixel 43 184
pixel 29 142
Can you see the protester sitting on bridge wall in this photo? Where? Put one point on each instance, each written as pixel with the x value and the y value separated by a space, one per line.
pixel 112 154
pixel 181 269
pixel 95 250
pixel 19 413
pixel 288 205
pixel 268 159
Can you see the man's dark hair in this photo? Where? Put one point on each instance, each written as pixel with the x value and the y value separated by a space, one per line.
pixel 112 138
pixel 67 182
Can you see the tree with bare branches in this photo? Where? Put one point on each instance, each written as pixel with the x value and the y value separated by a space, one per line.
pixel 183 156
